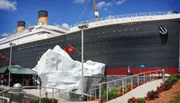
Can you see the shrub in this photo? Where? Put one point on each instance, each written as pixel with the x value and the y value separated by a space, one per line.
pixel 45 100
pixel 92 98
pixel 128 85
pixel 158 87
pixel 172 79
pixel 112 95
pixel 140 100
pixel 114 89
pixel 33 100
pixel 151 95
pixel 166 86
pixel 121 89
pixel 130 100
pixel 55 100
pixel 177 76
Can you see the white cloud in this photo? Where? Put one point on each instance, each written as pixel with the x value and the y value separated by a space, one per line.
pixel 103 4
pixel 65 25
pixel 119 2
pixel 79 1
pixel 5 34
pixel 8 5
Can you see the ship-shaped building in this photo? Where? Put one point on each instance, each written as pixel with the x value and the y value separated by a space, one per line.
pixel 151 39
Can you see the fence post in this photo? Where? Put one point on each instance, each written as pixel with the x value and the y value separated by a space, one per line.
pixel 59 96
pixel 3 99
pixel 123 86
pixel 156 75
pixel 150 76
pixel 95 93
pixel 100 91
pixel 144 78
pixel 163 76
pixel 107 92
pixel 131 82
pixel 52 95
pixel 90 94
pixel 39 93
pixel 138 80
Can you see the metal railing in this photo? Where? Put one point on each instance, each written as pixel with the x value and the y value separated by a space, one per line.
pixel 129 15
pixel 123 85
pixel 45 91
pixel 4 99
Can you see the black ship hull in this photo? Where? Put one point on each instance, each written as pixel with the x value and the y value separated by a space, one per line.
pixel 115 45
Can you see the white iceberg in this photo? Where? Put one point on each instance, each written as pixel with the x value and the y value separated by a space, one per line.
pixel 58 70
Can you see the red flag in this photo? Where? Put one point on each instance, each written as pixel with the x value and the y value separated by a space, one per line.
pixel 2 57
pixel 69 49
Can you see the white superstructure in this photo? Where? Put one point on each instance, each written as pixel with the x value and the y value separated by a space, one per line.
pixel 43 31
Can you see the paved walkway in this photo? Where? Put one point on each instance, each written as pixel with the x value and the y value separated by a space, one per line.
pixel 140 91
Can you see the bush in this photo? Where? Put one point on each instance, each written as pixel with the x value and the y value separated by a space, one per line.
pixel 112 95
pixel 45 100
pixel 33 100
pixel 92 98
pixel 140 100
pixel 177 76
pixel 130 100
pixel 55 100
pixel 172 79
pixel 151 95
pixel 166 86
pixel 128 85
pixel 114 89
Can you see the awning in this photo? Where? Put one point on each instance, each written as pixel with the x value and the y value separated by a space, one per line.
pixel 3 69
pixel 16 69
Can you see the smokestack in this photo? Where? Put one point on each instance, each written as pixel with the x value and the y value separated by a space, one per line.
pixel 43 17
pixel 20 26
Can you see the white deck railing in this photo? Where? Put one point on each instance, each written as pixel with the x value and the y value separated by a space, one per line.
pixel 128 16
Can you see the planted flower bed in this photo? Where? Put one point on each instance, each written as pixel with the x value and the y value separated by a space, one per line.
pixel 152 95
pixel 43 100
pixel 115 92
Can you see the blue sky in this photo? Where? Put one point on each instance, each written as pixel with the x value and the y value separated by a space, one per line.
pixel 69 11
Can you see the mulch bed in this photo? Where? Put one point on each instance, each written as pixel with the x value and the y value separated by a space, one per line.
pixel 167 96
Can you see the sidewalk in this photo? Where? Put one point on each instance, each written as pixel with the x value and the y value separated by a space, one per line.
pixel 140 91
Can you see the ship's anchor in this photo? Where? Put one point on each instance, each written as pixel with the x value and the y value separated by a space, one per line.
pixel 162 30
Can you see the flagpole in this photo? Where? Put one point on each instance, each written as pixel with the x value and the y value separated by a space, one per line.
pixel 82 59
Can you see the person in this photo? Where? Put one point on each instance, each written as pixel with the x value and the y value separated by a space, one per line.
pixel 5 81
pixel 2 82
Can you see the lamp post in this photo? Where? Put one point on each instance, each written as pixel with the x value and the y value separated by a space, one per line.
pixel 10 59
pixel 82 26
